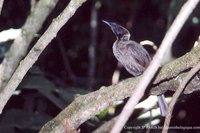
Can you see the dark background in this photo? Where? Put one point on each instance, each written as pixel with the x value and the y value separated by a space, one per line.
pixel 62 69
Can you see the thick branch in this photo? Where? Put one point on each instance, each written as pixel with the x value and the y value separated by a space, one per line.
pixel 34 53
pixel 182 64
pixel 173 69
pixel 87 106
pixel 20 45
pixel 178 92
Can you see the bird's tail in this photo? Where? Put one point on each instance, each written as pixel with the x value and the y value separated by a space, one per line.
pixel 163 105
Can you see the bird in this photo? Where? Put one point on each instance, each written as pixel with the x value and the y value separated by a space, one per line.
pixel 132 56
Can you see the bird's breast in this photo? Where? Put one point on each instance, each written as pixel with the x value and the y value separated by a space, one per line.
pixel 118 51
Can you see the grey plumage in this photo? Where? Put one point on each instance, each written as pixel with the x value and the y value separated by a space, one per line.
pixel 129 53
pixel 132 56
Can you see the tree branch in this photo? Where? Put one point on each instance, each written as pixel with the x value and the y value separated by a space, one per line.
pixel 92 46
pixel 177 94
pixel 20 45
pixel 86 106
pixel 155 64
pixel 34 53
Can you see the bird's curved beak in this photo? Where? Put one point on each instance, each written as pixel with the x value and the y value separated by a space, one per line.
pixel 120 32
pixel 106 22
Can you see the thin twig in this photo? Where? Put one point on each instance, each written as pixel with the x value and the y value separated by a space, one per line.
pixel 66 62
pixel 116 74
pixel 177 94
pixel 170 36
pixel 34 53
pixel 93 43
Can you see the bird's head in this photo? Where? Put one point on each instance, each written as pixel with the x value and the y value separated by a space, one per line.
pixel 120 32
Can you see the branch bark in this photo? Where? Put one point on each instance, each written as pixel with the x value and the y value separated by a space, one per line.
pixel 177 94
pixel 34 53
pixel 20 45
pixel 155 64
pixel 86 106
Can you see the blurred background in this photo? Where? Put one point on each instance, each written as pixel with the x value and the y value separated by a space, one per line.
pixel 80 60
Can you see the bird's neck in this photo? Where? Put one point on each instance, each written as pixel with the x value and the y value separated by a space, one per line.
pixel 124 37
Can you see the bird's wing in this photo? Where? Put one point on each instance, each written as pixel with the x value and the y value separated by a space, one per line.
pixel 137 51
pixel 136 58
